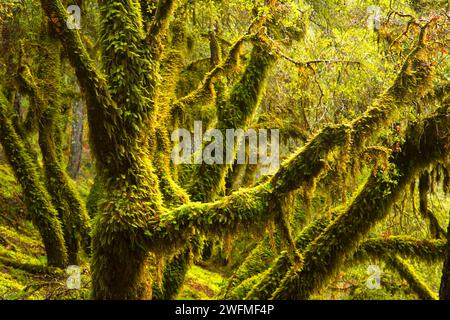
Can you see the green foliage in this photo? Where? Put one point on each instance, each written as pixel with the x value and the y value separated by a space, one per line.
pixel 201 284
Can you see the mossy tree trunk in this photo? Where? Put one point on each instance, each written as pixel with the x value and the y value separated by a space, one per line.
pixel 132 218
pixel 38 201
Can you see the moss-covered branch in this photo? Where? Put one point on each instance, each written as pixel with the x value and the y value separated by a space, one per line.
pixel 425 143
pixel 206 93
pixel 71 209
pixel 235 111
pixel 415 281
pixel 171 66
pixel 157 33
pixel 264 284
pixel 308 163
pixel 103 113
pixel 393 249
pixel 405 246
pixel 255 263
pixel 244 209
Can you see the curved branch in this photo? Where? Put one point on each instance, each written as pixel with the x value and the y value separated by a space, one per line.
pixel 205 93
pixel 36 197
pixel 305 165
pixel 425 144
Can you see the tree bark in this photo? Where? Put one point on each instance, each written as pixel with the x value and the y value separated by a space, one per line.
pixel 76 145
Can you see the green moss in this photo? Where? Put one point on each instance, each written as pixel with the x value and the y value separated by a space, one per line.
pixel 95 194
pixel 205 94
pixel 238 211
pixel 65 198
pixel 415 281
pixel 9 284
pixel 8 185
pixel 173 277
pixel 255 263
pixel 373 202
pixel 201 284
pixel 171 65
pixel 403 246
pixel 235 111
pixel 38 202
pixel 268 281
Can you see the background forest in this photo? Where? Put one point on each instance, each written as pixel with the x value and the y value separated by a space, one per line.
pixel 359 208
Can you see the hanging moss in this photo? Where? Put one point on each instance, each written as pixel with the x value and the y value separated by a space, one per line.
pixel 424 189
pixel 242 210
pixel 130 217
pixel 308 162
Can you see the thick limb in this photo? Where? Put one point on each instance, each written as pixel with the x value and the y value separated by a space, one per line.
pixel 425 143
pixel 66 200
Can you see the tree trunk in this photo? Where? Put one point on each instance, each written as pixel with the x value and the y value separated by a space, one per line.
pixel 36 197
pixel 76 146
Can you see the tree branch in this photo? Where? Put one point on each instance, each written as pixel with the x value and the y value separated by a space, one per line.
pixel 102 111
pixel 425 144
pixel 305 165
